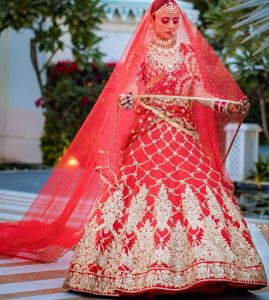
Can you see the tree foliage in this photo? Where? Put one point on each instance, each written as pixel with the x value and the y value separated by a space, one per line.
pixel 251 72
pixel 70 95
pixel 49 21
pixel 258 19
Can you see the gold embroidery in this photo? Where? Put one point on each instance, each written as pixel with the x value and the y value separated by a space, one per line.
pixel 137 209
pixel 191 208
pixel 112 209
pixel 135 262
pixel 162 208
pixel 169 225
pixel 165 101
pixel 194 134
pixel 164 59
pixel 215 208
pixel 153 81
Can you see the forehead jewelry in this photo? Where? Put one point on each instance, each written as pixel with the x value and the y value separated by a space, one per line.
pixel 171 8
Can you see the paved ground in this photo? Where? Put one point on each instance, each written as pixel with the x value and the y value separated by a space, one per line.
pixel 22 279
pixel 23 181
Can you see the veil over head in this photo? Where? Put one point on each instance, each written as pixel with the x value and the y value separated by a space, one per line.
pixel 55 221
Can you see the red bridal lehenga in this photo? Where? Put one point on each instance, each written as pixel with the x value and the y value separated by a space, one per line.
pixel 144 194
pixel 170 224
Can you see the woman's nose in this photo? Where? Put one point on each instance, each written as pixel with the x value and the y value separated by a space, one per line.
pixel 171 24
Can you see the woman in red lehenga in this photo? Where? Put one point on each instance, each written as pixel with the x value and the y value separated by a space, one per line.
pixel 171 223
pixel 142 191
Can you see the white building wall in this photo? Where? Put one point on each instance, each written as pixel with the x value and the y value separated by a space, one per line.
pixel 21 123
pixel 122 18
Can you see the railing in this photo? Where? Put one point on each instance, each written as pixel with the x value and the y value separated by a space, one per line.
pixel 128 10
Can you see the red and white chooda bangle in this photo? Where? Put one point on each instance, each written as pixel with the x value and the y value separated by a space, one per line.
pixel 221 106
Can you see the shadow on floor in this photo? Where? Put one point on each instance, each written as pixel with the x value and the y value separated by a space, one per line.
pixel 240 294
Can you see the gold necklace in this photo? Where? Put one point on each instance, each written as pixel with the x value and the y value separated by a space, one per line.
pixel 163 42
pixel 164 57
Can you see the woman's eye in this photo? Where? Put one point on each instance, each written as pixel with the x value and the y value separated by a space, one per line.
pixel 165 21
pixel 175 21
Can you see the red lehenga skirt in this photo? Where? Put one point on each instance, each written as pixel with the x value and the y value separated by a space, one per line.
pixel 170 227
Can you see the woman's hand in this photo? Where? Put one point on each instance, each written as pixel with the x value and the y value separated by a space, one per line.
pixel 234 108
pixel 126 101
pixel 246 106
pixel 242 107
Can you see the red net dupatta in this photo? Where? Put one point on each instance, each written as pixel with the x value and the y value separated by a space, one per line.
pixel 54 223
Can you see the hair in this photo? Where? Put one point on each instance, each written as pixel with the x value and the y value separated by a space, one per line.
pixel 157 4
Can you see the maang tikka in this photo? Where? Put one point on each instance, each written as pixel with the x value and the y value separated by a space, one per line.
pixel 171 8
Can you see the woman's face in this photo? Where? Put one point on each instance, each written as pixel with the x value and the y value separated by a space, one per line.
pixel 166 25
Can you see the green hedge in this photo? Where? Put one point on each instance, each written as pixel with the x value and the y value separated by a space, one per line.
pixel 69 96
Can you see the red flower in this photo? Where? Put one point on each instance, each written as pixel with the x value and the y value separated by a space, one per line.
pixel 94 65
pixel 39 102
pixel 98 77
pixel 63 67
pixel 111 64
pixel 85 101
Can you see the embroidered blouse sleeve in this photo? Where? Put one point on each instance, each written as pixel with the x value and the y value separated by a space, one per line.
pixel 213 102
pixel 138 83
pixel 199 90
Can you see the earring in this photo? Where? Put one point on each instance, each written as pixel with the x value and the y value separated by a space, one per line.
pixel 151 29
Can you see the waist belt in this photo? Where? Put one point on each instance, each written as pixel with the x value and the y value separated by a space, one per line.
pixel 192 133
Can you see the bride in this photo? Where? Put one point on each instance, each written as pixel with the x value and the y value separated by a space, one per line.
pixel 171 224
pixel 142 194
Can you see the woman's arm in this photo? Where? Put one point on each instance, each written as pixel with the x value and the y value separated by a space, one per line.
pixel 217 104
pixel 128 100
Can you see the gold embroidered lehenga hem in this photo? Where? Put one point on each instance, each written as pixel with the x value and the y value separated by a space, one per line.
pixel 166 281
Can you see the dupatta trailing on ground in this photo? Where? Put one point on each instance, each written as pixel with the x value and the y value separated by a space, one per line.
pixel 55 221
